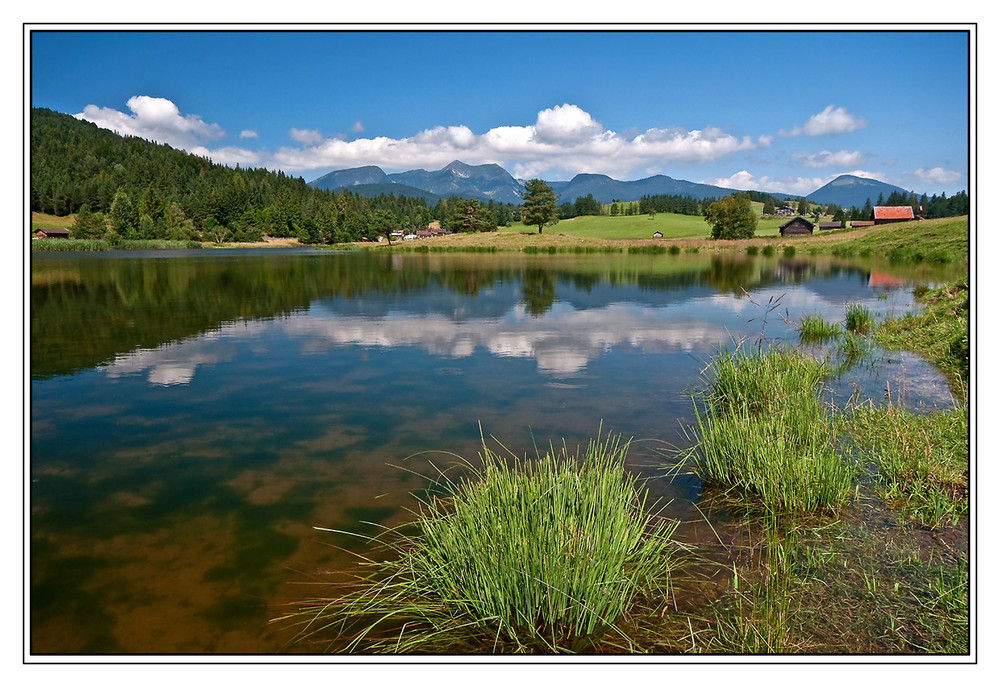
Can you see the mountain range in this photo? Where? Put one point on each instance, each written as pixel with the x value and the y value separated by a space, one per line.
pixel 492 182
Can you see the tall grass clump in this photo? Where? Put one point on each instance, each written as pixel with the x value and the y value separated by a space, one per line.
pixel 859 319
pixel 521 556
pixel 813 328
pixel 765 436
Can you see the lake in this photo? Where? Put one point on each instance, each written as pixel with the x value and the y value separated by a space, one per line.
pixel 195 414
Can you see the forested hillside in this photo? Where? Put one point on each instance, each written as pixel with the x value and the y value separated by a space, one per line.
pixel 129 188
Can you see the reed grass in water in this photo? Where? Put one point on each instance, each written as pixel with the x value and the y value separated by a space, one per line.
pixel 764 433
pixel 543 555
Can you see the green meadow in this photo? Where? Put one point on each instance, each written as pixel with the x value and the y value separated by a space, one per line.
pixel 639 227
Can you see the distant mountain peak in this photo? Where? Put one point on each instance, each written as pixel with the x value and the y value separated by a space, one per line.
pixel 492 182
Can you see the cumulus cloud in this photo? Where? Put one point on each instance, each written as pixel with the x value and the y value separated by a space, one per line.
pixel 562 138
pixel 156 119
pixel 306 137
pixel 744 180
pixel 939 176
pixel 357 127
pixel 826 158
pixel 830 120
pixel 566 125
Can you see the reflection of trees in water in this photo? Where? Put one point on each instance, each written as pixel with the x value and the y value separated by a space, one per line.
pixel 539 290
pixel 86 310
pixel 729 275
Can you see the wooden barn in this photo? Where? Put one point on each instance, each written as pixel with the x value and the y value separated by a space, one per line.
pixel 891 215
pixel 830 225
pixel 52 233
pixel 797 226
pixel 862 224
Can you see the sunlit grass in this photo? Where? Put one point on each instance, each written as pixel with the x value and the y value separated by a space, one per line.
pixel 921 461
pixel 765 435
pixel 522 556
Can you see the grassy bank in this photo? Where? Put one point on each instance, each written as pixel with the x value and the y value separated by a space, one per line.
pixel 880 568
pixel 98 245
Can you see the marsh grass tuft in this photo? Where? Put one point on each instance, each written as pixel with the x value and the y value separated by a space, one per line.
pixel 813 328
pixel 765 434
pixel 522 556
pixel 921 461
pixel 859 319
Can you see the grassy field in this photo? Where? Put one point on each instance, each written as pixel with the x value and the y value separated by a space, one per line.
pixel 672 226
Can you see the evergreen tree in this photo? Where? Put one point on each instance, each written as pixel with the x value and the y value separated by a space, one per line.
pixel 539 206
pixel 123 216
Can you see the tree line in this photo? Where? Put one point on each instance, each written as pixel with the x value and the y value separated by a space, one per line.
pixel 125 188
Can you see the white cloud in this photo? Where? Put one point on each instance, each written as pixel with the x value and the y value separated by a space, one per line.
pixel 306 137
pixel 744 180
pixel 826 158
pixel 154 119
pixel 565 125
pixel 830 120
pixel 357 127
pixel 564 140
pixel 938 175
pixel 563 137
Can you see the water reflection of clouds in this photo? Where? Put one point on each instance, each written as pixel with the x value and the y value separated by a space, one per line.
pixel 172 364
pixel 562 342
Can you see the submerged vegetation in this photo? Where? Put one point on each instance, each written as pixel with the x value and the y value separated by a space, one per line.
pixel 846 530
pixel 842 582
pixel 543 555
pixel 764 433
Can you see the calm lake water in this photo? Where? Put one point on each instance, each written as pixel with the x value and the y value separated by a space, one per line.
pixel 195 414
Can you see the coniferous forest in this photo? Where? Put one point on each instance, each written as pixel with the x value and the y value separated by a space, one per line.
pixel 130 188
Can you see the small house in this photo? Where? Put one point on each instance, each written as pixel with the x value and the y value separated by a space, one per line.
pixel 52 233
pixel 797 226
pixel 657 234
pixel 830 225
pixel 862 224
pixel 786 211
pixel 891 215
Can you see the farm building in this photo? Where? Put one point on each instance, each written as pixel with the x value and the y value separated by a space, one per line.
pixel 797 226
pixel 657 234
pixel 830 225
pixel 862 224
pixel 52 233
pixel 888 215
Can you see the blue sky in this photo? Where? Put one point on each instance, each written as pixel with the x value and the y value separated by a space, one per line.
pixel 784 111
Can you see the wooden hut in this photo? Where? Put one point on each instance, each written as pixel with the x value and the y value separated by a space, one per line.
pixel 862 224
pixel 830 225
pixel 797 226
pixel 52 233
pixel 891 215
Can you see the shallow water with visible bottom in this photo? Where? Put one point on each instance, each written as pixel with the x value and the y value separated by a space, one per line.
pixel 195 415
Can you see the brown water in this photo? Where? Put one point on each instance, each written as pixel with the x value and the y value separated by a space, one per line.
pixel 195 415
